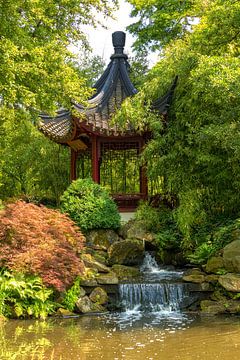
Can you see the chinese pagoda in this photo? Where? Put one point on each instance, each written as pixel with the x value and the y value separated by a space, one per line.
pixel 100 148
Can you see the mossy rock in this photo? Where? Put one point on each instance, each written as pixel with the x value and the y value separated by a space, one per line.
pixel 65 313
pixel 85 306
pixel 212 279
pixel 99 296
pixel 230 282
pixel 88 282
pixel 92 263
pixel 214 264
pixel 194 278
pixel 231 256
pixel 137 230
pixel 108 279
pixel 125 272
pixel 219 296
pixel 233 306
pixel 212 307
pixel 102 238
pixel 101 256
pixel 126 252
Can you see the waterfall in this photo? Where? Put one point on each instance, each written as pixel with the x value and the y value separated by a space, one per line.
pixel 151 297
pixel 159 289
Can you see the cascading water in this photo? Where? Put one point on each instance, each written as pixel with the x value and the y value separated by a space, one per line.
pixel 159 289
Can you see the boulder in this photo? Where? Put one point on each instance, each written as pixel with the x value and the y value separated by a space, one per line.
pixel 125 272
pixel 109 278
pixel 231 256
pixel 126 252
pixel 212 307
pixel 194 271
pixel 194 278
pixel 217 295
pixel 137 230
pixel 212 279
pixel 91 263
pixel 88 282
pixel 85 305
pixel 99 295
pixel 100 256
pixel 233 306
pixel 102 238
pixel 205 286
pixel 230 282
pixel 82 292
pixel 124 228
pixel 194 275
pixel 214 264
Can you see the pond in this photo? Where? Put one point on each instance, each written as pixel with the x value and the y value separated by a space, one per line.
pixel 151 326
pixel 131 335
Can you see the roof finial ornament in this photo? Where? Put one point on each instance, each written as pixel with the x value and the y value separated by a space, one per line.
pixel 118 39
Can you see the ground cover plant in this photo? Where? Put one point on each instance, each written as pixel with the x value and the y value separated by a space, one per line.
pixel 24 296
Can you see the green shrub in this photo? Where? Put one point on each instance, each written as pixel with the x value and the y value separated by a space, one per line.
pixel 24 296
pixel 90 206
pixel 149 215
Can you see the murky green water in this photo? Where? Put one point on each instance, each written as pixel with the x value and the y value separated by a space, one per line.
pixel 130 336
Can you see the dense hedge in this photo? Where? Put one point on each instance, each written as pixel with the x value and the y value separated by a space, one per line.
pixel 40 241
pixel 90 206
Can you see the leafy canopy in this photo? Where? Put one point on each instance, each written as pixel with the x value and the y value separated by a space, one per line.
pixel 196 154
pixel 37 70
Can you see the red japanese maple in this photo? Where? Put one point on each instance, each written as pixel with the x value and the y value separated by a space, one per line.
pixel 41 241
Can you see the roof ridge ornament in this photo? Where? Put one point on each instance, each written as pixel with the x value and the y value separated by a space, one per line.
pixel 118 40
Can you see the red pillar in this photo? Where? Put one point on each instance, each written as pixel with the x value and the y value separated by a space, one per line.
pixel 95 160
pixel 143 177
pixel 73 169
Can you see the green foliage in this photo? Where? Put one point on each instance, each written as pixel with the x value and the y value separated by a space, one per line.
pixel 202 253
pixel 196 151
pixel 24 296
pixel 139 67
pixel 149 215
pixel 160 21
pixel 40 241
pixel 209 239
pixel 160 221
pixel 90 206
pixel 26 156
pixel 35 40
pixel 72 295
pixel 38 72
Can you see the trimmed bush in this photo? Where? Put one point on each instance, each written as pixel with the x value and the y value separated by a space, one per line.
pixel 90 206
pixel 40 241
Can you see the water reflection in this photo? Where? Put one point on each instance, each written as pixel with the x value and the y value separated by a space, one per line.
pixel 131 336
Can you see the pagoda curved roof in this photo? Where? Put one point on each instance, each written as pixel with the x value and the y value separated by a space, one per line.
pixel 111 89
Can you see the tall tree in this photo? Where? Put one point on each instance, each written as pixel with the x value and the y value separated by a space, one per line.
pixel 197 153
pixel 39 72
pixel 160 21
pixel 36 70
